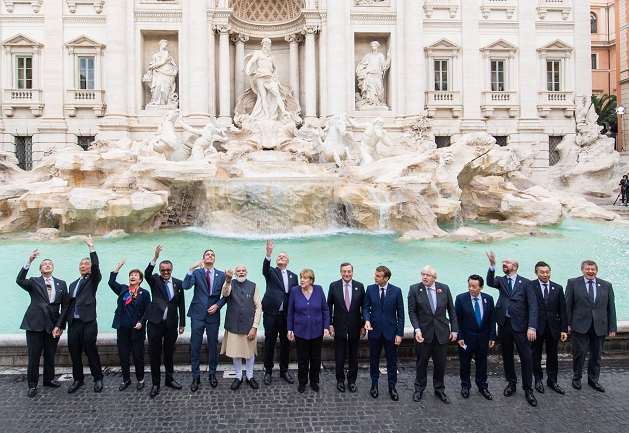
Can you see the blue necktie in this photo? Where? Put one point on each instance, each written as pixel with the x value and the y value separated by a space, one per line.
pixel 477 312
pixel 167 291
pixel 510 285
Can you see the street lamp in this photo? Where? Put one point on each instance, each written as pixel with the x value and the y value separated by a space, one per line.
pixel 620 111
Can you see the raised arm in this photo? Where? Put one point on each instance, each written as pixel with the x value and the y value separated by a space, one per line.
pixel 21 276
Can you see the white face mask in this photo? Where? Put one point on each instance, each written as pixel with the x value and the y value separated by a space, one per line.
pixel 241 279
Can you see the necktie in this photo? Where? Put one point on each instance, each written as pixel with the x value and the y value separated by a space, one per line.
pixel 477 312
pixel 545 291
pixel 591 290
pixel 432 301
pixel 382 296
pixel 76 293
pixel 209 282
pixel 347 296
pixel 510 285
pixel 49 289
pixel 167 290
pixel 285 279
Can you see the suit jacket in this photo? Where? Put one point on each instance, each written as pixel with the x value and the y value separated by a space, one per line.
pixel 275 295
pixel 159 302
pixel 142 301
pixel 85 300
pixel 582 313
pixel 469 331
pixel 202 299
pixel 41 315
pixel 422 317
pixel 522 303
pixel 347 324
pixel 386 320
pixel 307 318
pixel 551 313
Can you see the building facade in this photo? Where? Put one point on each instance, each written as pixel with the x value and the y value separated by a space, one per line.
pixel 603 34
pixel 75 70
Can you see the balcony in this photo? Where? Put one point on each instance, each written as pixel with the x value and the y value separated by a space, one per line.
pixel 82 98
pixel 443 100
pixel 508 6
pixel 561 6
pixel 555 101
pixel 502 101
pixel 23 98
pixel 450 5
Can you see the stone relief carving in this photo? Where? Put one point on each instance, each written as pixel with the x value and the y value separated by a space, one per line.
pixel 202 140
pixel 370 74
pixel 161 76
pixel 372 2
pixel 373 135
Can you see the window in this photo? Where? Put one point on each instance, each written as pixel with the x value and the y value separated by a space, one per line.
pixel 594 61
pixel 593 23
pixel 553 75
pixel 86 72
pixel 442 141
pixel 85 141
pixel 24 151
pixel 24 73
pixel 501 140
pixel 441 74
pixel 498 75
pixel 553 154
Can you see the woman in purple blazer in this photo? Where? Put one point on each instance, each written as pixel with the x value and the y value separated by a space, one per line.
pixel 308 323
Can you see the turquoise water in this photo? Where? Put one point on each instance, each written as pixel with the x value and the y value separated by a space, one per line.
pixel 563 248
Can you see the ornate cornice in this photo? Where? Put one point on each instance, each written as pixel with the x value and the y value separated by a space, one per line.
pixel 22 19
pixel 443 24
pixel 267 29
pixel 514 25
pixel 372 2
pixel 157 16
pixel 554 26
pixel 84 20
pixel 360 18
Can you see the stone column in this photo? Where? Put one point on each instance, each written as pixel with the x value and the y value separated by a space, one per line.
pixel 239 40
pixel 339 37
pixel 471 85
pixel 310 74
pixel 293 44
pixel 527 47
pixel 224 82
pixel 414 86
pixel 196 96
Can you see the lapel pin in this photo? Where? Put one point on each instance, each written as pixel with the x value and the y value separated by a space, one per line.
pixel 484 300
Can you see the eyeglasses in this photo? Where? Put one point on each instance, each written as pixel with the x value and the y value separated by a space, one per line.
pixel 165 271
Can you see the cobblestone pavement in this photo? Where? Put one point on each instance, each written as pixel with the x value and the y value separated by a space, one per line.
pixel 280 408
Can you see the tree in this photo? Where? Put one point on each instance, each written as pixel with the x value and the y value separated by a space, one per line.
pixel 605 107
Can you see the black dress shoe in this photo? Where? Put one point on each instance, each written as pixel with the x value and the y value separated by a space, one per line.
pixel 154 391
pixel 374 391
pixel 417 395
pixel 213 381
pixel 140 386
pixel 465 392
pixel 509 390
pixel 394 395
pixel 485 393
pixel 52 384
pixel 236 384
pixel 353 387
pixel 124 385
pixel 556 388
pixel 314 386
pixel 288 377
pixel 98 385
pixel 75 385
pixel 173 384
pixel 539 386
pixel 442 396
pixel 301 388
pixel 32 392
pixel 340 386
pixel 253 383
pixel 267 378
pixel 530 398
pixel 596 386
pixel 194 386
pixel 576 383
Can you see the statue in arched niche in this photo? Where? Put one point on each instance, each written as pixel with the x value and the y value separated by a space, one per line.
pixel 370 75
pixel 161 76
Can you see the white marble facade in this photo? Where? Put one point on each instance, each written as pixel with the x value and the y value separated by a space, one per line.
pixel 512 68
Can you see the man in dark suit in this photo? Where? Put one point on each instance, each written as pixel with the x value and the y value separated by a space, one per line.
pixel 476 316
pixel 43 321
pixel 205 314
pixel 516 314
pixel 591 314
pixel 383 312
pixel 345 301
pixel 552 324
pixel 167 299
pixel 82 325
pixel 279 281
pixel 428 303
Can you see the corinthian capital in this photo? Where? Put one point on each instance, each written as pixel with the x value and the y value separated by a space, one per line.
pixel 238 38
pixel 223 28
pixel 294 37
pixel 310 29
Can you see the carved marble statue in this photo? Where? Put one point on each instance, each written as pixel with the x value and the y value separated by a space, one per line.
pixel 166 141
pixel 374 134
pixel 339 145
pixel 162 73
pixel 588 130
pixel 203 144
pixel 267 98
pixel 370 75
